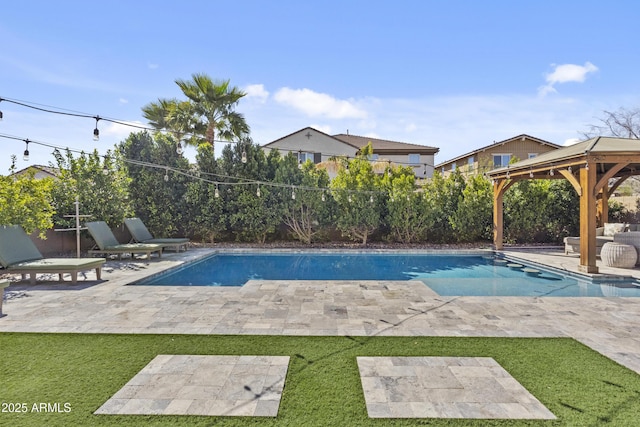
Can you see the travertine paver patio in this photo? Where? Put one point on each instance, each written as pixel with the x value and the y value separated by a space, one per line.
pixel 444 387
pixel 356 308
pixel 203 385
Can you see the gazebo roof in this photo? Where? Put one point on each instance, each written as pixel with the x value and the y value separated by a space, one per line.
pixel 601 150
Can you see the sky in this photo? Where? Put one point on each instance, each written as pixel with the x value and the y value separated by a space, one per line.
pixel 456 75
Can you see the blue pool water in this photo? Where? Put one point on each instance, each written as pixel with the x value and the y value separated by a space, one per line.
pixel 449 275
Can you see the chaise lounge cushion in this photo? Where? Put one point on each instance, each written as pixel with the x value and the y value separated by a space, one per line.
pixel 18 254
pixel 141 234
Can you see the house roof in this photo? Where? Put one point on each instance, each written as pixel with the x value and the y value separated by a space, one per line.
pixel 46 169
pixel 594 147
pixel 380 146
pixel 495 144
pixel 383 146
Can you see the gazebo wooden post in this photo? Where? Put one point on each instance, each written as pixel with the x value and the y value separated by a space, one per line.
pixel 498 220
pixel 588 219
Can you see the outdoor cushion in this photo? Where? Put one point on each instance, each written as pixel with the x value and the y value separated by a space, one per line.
pixel 611 228
pixel 141 234
pixel 18 254
pixel 108 243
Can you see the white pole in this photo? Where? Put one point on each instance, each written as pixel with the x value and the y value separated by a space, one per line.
pixel 77 203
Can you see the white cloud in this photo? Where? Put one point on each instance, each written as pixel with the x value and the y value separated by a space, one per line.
pixel 410 127
pixel 571 141
pixel 315 104
pixel 323 128
pixel 152 66
pixel 566 73
pixel 123 101
pixel 119 131
pixel 257 91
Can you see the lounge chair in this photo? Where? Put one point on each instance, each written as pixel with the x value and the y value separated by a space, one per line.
pixel 108 244
pixel 18 254
pixel 140 234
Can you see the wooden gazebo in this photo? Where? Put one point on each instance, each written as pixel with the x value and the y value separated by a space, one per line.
pixel 595 168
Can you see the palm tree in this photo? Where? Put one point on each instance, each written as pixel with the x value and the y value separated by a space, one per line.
pixel 207 114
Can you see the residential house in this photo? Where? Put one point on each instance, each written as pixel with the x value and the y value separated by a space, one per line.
pixel 312 144
pixel 39 171
pixel 497 155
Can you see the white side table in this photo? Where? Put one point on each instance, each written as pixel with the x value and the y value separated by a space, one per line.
pixel 618 255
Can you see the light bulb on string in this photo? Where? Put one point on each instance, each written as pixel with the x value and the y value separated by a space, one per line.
pixel 1 115
pixel 371 199
pixel 293 194
pixel 349 198
pixel 179 149
pixel 258 191
pixel 216 193
pixel 323 197
pixel 166 175
pixel 244 156
pixel 96 132
pixel 25 155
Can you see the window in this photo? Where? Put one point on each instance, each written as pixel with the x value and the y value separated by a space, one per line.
pixel 501 160
pixel 414 159
pixel 453 166
pixel 532 155
pixel 372 156
pixel 470 162
pixel 303 156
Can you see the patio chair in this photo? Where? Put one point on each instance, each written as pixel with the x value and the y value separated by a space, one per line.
pixel 107 243
pixel 18 254
pixel 140 234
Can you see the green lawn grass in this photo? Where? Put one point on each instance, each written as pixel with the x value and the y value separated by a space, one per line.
pixel 322 387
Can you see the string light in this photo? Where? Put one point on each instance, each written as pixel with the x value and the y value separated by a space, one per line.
pixel 96 132
pixel 531 174
pixel 179 149
pixel 244 156
pixel 258 191
pixel 371 199
pixel 216 192
pixel 551 172
pixel 323 197
pixel 166 175
pixel 25 155
pixel 293 194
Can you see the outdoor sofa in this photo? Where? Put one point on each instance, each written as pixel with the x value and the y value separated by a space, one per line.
pixel 18 254
pixel 106 242
pixel 140 234
pixel 611 232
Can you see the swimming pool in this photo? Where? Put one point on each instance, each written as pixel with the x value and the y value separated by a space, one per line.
pixel 447 274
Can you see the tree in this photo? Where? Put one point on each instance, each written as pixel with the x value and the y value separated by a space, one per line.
pixel 624 123
pixel 310 209
pixel 408 215
pixel 357 193
pixel 473 219
pixel 26 201
pixel 205 214
pixel 100 187
pixel 251 216
pixel 157 194
pixel 444 195
pixel 207 114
